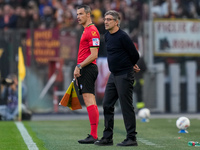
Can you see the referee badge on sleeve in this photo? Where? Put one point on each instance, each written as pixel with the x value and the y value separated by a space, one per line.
pixel 95 41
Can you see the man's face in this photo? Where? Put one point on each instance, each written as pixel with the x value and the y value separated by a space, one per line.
pixel 109 22
pixel 81 16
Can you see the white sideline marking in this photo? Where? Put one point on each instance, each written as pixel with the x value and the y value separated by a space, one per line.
pixel 146 142
pixel 27 138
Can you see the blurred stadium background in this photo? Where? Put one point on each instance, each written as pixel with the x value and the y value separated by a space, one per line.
pixel 167 33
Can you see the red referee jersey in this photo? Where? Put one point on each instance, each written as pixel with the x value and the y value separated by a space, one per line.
pixel 90 38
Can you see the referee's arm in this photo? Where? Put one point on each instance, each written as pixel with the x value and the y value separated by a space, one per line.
pixel 91 57
pixel 87 61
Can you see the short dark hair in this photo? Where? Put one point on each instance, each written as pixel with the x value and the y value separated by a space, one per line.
pixel 86 7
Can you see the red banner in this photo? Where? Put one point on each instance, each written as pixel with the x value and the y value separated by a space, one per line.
pixel 46 46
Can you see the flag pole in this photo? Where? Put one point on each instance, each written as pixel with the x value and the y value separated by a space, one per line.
pixel 19 99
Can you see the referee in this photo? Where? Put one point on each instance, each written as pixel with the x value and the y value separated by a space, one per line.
pixel 122 58
pixel 86 70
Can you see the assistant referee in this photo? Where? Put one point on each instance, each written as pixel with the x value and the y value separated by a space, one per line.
pixel 86 70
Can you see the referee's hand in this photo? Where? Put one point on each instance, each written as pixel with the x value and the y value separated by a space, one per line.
pixel 76 72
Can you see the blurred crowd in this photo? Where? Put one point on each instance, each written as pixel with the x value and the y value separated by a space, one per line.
pixel 44 14
pixel 189 9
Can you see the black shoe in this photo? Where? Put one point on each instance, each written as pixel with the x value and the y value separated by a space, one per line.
pixel 104 142
pixel 128 142
pixel 88 140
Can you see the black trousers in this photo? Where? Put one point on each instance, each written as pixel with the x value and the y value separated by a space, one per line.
pixel 121 87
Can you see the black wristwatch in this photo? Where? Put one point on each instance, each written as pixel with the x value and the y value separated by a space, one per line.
pixel 79 66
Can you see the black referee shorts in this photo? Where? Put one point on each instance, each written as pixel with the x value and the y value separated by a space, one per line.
pixel 86 82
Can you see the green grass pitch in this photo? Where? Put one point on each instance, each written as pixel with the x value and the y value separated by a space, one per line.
pixel 158 134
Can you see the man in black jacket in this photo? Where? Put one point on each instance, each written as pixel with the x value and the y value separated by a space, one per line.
pixel 122 58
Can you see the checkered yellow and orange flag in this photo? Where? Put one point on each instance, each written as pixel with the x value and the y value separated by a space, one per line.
pixel 70 98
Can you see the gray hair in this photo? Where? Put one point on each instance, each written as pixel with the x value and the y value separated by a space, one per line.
pixel 115 15
pixel 86 7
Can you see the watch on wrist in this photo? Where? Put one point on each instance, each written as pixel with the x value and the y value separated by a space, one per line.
pixel 79 66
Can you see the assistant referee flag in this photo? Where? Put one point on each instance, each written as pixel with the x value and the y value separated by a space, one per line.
pixel 70 98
